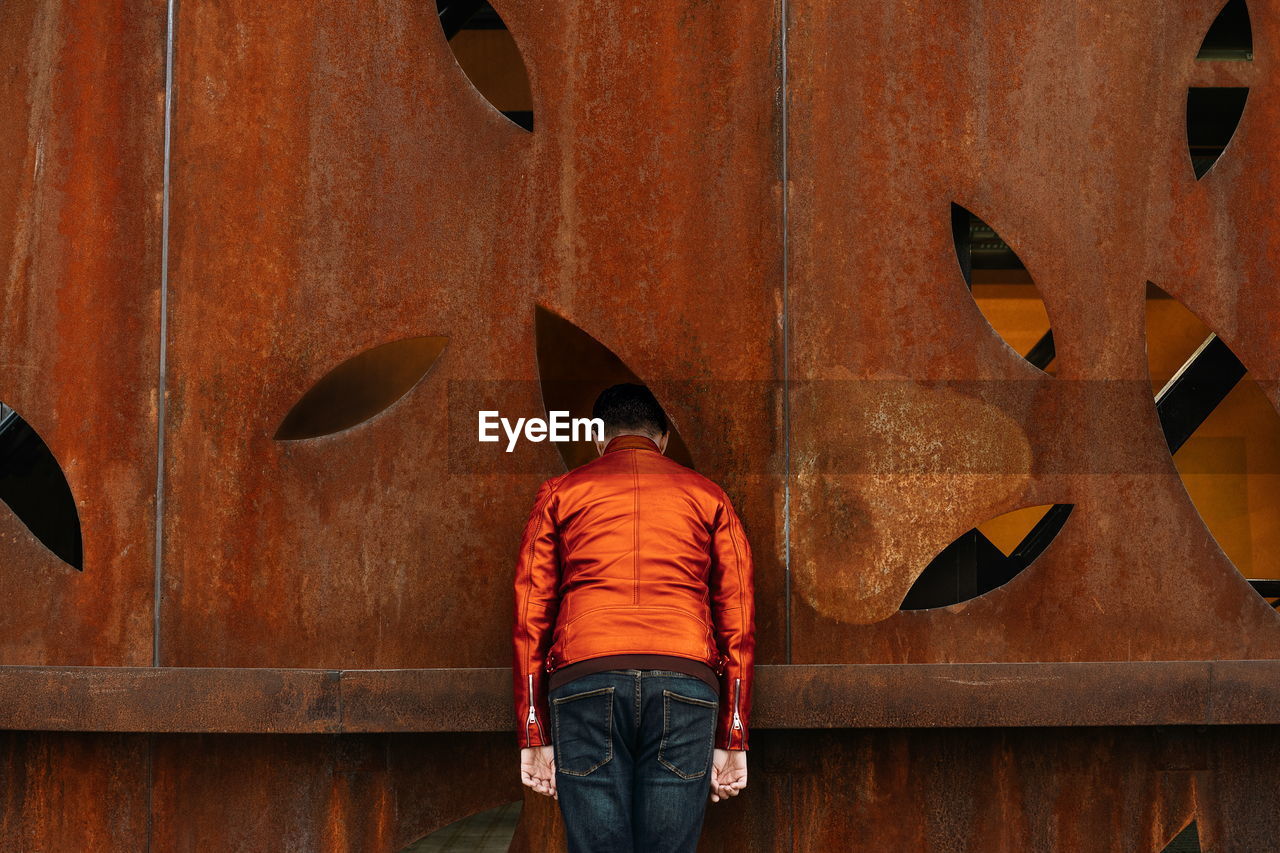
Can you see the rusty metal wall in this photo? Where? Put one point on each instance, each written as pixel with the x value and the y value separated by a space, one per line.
pixel 337 183
pixel 1064 128
pixel 81 144
pixel 1078 789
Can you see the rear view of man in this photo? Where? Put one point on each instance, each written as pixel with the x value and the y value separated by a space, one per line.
pixel 634 640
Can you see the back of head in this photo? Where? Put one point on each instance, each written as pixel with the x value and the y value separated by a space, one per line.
pixel 629 408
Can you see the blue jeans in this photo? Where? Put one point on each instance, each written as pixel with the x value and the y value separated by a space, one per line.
pixel 633 751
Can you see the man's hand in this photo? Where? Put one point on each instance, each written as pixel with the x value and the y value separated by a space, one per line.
pixel 538 769
pixel 728 773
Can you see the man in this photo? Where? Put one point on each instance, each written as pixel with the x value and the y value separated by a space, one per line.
pixel 634 640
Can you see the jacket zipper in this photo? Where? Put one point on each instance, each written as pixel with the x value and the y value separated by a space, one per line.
pixel 533 716
pixel 737 721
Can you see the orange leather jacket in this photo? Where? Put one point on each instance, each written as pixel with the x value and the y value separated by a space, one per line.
pixel 633 553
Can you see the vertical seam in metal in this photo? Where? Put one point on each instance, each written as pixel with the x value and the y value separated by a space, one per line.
pixel 162 371
pixel 151 762
pixel 786 339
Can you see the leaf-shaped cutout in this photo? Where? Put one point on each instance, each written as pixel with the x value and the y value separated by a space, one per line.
pixel 1230 37
pixel 497 825
pixel 1213 114
pixel 574 368
pixel 1186 841
pixel 489 56
pixel 34 487
pixel 1002 289
pixel 361 387
pixel 986 557
pixel 1223 432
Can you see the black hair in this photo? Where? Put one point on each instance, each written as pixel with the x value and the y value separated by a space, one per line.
pixel 629 406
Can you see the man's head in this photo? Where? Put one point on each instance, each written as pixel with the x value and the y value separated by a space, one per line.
pixel 630 409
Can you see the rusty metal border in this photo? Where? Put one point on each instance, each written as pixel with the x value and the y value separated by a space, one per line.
pixel 962 695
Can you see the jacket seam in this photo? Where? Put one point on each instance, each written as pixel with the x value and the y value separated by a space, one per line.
pixel 737 556
pixel 635 533
pixel 533 541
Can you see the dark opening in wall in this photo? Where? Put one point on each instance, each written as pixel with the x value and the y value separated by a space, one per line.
pixel 488 55
pixel 574 368
pixel 1002 288
pixel 986 557
pixel 1224 434
pixel 978 246
pixel 1213 114
pixel 360 387
pixel 34 487
pixel 1230 37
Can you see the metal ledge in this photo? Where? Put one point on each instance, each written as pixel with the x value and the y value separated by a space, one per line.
pixel 821 696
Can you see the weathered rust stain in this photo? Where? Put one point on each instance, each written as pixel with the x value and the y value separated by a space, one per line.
pixel 886 481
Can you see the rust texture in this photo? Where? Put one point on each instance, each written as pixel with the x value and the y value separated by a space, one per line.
pixel 333 621
pixel 337 184
pixel 260 700
pixel 1086 789
pixel 1066 128
pixel 81 145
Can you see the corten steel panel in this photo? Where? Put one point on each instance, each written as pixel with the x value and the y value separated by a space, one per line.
pixel 81 148
pixel 73 791
pixel 1062 126
pixel 1082 790
pixel 241 792
pixel 338 183
pixel 362 793
pixel 1100 789
pixel 479 776
pixel 1236 789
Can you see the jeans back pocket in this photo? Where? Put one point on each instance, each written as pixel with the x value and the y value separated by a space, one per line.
pixel 688 734
pixel 582 730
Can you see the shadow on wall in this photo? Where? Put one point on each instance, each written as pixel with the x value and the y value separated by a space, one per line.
pixel 574 368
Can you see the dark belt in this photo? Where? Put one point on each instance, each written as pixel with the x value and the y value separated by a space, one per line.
pixel 675 663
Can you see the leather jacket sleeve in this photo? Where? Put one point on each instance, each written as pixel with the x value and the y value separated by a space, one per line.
pixel 536 603
pixel 733 611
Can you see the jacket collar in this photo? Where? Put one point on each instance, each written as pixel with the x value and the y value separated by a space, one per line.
pixel 630 442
